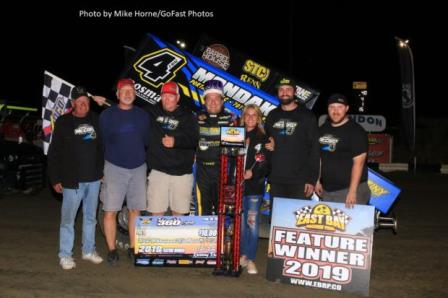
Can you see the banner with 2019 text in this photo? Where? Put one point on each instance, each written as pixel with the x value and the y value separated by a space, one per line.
pixel 321 245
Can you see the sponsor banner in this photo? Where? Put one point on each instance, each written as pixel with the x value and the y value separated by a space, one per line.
pixel 383 192
pixel 321 245
pixel 406 59
pixel 359 85
pixel 175 240
pixel 249 70
pixel 380 148
pixel 157 62
pixel 245 68
pixel 370 123
pixel 360 93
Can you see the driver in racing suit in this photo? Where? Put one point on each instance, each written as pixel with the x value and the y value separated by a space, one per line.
pixel 208 152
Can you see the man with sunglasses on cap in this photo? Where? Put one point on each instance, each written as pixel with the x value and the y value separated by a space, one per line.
pixel 208 152
pixel 75 167
pixel 344 147
pixel 125 130
pixel 294 140
pixel 173 142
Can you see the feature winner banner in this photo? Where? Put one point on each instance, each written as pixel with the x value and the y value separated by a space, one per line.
pixel 248 69
pixel 321 245
pixel 157 62
pixel 176 241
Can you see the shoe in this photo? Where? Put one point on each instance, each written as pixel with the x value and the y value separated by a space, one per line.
pixel 92 257
pixel 251 268
pixel 112 257
pixel 131 254
pixel 67 263
pixel 243 261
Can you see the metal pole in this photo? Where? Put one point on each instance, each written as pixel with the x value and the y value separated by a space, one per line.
pixel 415 107
pixel 291 37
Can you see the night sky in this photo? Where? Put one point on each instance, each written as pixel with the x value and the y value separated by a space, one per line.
pixel 327 46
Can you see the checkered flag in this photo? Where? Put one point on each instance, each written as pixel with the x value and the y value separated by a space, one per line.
pixel 55 102
pixel 304 210
pixel 338 212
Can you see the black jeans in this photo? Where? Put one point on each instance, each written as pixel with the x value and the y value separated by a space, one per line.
pixel 283 190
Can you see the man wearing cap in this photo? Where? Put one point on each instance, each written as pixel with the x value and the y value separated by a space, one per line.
pixel 173 142
pixel 294 140
pixel 208 152
pixel 125 130
pixel 344 146
pixel 75 167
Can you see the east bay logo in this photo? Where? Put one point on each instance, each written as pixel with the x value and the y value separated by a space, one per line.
pixel 232 131
pixel 322 217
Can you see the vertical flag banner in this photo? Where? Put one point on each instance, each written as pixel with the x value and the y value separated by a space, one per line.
pixel 407 92
pixel 55 102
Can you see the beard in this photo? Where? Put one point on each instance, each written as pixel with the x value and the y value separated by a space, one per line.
pixel 286 100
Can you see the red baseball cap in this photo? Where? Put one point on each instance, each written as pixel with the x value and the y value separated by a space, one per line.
pixel 125 81
pixel 171 88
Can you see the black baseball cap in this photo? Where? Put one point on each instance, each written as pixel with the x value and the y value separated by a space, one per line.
pixel 285 81
pixel 338 98
pixel 79 91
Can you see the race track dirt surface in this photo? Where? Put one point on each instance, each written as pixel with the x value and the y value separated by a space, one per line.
pixel 413 263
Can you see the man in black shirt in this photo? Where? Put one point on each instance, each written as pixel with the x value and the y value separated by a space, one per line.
pixel 344 147
pixel 293 132
pixel 75 167
pixel 172 146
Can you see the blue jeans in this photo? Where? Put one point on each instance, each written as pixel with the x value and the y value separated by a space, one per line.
pixel 249 225
pixel 88 194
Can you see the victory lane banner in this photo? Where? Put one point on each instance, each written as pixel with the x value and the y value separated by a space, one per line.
pixel 157 62
pixel 183 241
pixel 321 245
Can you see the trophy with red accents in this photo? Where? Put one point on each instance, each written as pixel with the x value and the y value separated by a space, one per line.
pixel 230 201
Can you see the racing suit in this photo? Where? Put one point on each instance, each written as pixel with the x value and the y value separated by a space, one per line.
pixel 207 160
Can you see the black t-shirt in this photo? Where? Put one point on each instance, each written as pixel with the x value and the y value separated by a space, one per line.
pixel 296 155
pixel 86 146
pixel 338 147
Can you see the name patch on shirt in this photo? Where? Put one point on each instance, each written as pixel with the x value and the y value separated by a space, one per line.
pixel 285 126
pixel 86 131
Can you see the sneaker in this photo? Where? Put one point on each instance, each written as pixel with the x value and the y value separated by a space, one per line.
pixel 131 254
pixel 67 263
pixel 243 261
pixel 92 257
pixel 112 257
pixel 251 268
